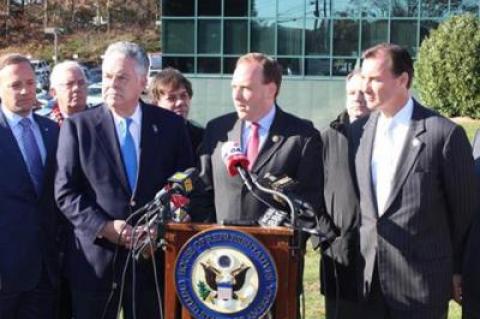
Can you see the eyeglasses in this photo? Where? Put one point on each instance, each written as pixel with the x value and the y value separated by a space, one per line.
pixel 71 84
pixel 172 98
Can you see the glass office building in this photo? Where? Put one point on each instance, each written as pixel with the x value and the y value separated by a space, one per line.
pixel 309 37
pixel 318 42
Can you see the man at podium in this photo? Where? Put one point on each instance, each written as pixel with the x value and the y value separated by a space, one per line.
pixel 274 142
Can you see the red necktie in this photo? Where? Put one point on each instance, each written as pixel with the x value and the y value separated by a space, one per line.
pixel 253 145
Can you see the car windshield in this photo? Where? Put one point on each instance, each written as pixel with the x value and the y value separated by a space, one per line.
pixel 94 91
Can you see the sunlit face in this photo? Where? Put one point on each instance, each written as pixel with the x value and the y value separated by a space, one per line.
pixel 381 87
pixel 122 85
pixel 18 88
pixel 251 97
pixel 175 100
pixel 70 91
pixel 355 99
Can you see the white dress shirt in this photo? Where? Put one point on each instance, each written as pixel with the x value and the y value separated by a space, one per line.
pixel 263 128
pixel 13 121
pixel 388 144
pixel 135 128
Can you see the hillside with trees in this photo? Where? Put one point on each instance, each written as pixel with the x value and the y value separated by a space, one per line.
pixel 86 26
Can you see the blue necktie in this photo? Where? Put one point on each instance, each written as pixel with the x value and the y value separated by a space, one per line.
pixel 32 154
pixel 129 154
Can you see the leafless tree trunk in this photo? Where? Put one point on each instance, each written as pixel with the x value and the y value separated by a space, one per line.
pixel 45 13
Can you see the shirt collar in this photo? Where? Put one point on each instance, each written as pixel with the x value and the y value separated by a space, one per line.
pixel 136 116
pixel 402 117
pixel 266 121
pixel 12 118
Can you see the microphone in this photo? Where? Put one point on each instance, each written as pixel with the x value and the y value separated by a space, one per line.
pixel 178 183
pixel 236 162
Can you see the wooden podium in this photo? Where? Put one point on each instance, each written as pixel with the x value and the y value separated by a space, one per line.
pixel 278 241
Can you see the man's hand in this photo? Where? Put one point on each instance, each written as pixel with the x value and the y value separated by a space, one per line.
pixel 118 232
pixel 457 288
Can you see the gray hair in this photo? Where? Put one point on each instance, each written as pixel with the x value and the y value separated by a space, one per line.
pixel 133 51
pixel 60 68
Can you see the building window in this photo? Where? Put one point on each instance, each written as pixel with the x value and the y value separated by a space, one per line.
pixel 235 38
pixel 209 39
pixel 263 36
pixel 179 36
pixel 345 37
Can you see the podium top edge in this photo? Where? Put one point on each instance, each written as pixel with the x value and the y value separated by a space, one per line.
pixel 198 227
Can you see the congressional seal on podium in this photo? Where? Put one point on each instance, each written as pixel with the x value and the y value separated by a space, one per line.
pixel 225 273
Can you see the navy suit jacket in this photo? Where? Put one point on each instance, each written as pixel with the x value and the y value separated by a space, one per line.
pixel 91 186
pixel 28 222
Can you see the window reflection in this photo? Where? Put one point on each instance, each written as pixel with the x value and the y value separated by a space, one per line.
pixel 290 37
pixel 317 67
pixel 229 65
pixel 263 8
pixel 345 37
pixel 178 8
pixel 209 36
pixel 263 36
pixel 291 8
pixel 404 8
pixel 178 36
pixel 461 6
pixel 183 64
pixel 290 66
pixel 404 33
pixel 346 8
pixel 434 8
pixel 317 8
pixel 343 66
pixel 426 26
pixel 210 8
pixel 235 37
pixel 208 65
pixel 236 8
pixel 376 8
pixel 374 32
pixel 317 37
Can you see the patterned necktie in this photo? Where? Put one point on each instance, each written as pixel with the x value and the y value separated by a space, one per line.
pixel 32 154
pixel 253 145
pixel 129 154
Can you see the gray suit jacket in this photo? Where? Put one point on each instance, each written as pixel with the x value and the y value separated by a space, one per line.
pixel 293 147
pixel 418 242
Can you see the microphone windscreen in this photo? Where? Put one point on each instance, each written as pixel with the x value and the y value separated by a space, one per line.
pixel 233 157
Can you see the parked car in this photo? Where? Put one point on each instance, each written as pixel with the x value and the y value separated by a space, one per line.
pixel 94 96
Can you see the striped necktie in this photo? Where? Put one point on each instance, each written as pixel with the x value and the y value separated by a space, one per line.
pixel 129 154
pixel 32 154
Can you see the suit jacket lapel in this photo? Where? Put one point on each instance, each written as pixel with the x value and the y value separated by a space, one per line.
pixel 108 141
pixel 235 134
pixel 363 164
pixel 273 141
pixel 149 152
pixel 412 147
pixel 48 137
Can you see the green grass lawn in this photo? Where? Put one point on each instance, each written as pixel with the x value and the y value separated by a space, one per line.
pixel 315 308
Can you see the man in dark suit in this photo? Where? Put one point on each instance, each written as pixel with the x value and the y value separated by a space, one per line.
pixel 416 180
pixel 274 141
pixel 28 224
pixel 340 261
pixel 113 159
pixel 471 275
pixel 171 90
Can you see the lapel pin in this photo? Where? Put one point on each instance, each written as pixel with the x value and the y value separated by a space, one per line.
pixel 275 138
pixel 155 129
pixel 415 142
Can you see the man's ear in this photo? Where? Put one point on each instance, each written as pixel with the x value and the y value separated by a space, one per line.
pixel 404 78
pixel 52 92
pixel 272 90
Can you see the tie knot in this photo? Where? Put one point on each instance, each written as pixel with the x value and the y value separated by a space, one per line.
pixel 25 123
pixel 254 126
pixel 128 121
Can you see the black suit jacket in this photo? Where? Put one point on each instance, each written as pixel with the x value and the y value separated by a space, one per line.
pixel 292 147
pixel 28 222
pixel 471 266
pixel 343 206
pixel 91 186
pixel 418 242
